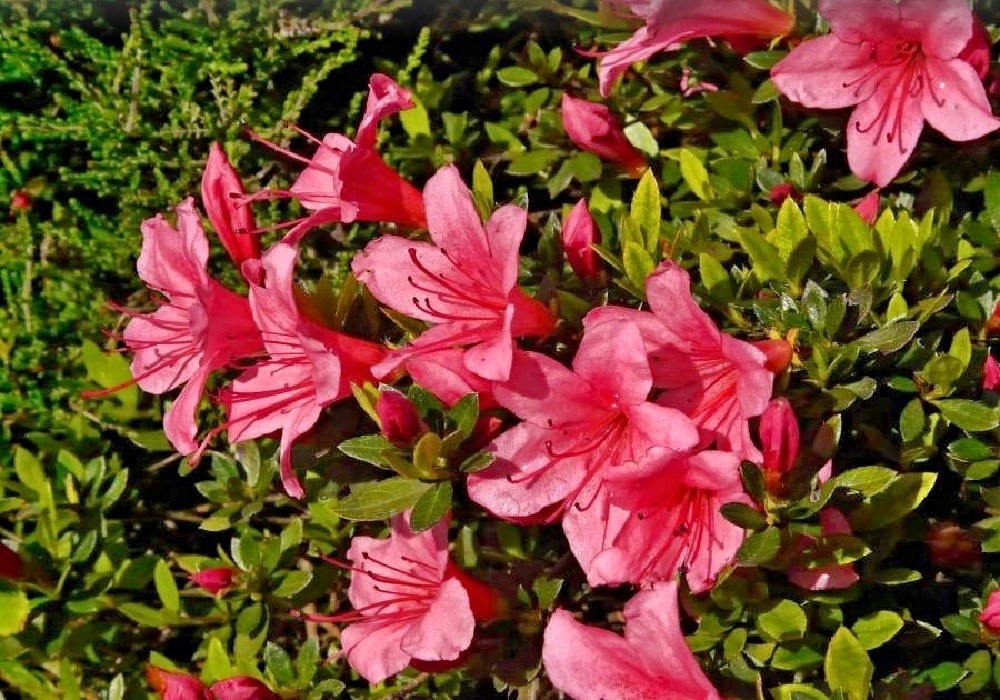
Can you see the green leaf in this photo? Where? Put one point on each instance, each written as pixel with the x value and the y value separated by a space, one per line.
pixel 760 547
pixel 900 498
pixel 743 515
pixel 645 211
pixel 532 162
pixel 416 122
pixel 426 453
pixel 782 622
pixel 847 666
pixel 292 583
pixel 639 135
pixel 877 628
pixel 279 665
pixel 379 500
pixel 465 413
pixel 482 190
pixel 866 480
pixel 14 609
pixel 943 676
pixel 798 691
pixel 969 415
pixel 546 590
pixel 890 337
pixel 695 174
pixel 638 263
pixel 366 448
pixel 767 263
pixel 894 577
pixel 715 278
pixel 911 420
pixel 217 665
pixel 431 506
pixel 166 587
pixel 108 370
pixel 307 661
pixel 516 76
pixel 143 614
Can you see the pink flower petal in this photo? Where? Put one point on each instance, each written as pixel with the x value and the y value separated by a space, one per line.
pixel 955 102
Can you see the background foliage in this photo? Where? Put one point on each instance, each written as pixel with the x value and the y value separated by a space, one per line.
pixel 106 113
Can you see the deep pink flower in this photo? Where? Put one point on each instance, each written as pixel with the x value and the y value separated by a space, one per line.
pixel 782 191
pixel 579 233
pixel 824 578
pixel 670 23
pixel 410 602
pixel 444 374
pixel 867 207
pixel 719 381
pixel 577 424
pixel 20 200
pixel 779 436
pixel 346 180
pixel 214 580
pixel 222 196
pixel 241 688
pixel 401 424
pixel 464 283
pixel 309 367
pixel 778 353
pixel 176 686
pixel 593 127
pixel 11 565
pixel 977 51
pixel 668 519
pixel 201 328
pixel 899 64
pixel 652 660
pixel 991 374
pixel 990 616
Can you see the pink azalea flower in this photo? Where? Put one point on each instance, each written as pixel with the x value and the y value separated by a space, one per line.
pixel 579 233
pixel 201 328
pixel 670 23
pixel 401 424
pixel 221 195
pixel 990 616
pixel 824 578
pixel 779 436
pixel 578 423
pixel 411 603
pixel 215 580
pixel 991 374
pixel 182 686
pixel 671 502
pixel 898 64
pixel 593 127
pixel 464 283
pixel 346 180
pixel 309 367
pixel 652 660
pixel 719 381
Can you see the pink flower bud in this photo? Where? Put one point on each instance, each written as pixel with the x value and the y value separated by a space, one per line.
pixel 232 219
pixel 990 616
pixel 11 566
pixel 778 352
pixel 782 191
pixel 579 231
pixel 951 547
pixel 593 128
pixel 991 374
pixel 867 207
pixel 176 686
pixel 779 436
pixel 19 201
pixel 977 50
pixel 400 421
pixel 214 580
pixel 993 322
pixel 242 688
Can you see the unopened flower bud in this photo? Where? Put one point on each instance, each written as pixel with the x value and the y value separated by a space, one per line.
pixel 867 207
pixel 977 50
pixel 19 201
pixel 579 232
pixel 594 128
pixel 779 437
pixel 990 616
pixel 11 566
pixel 782 191
pixel 951 547
pixel 993 322
pixel 176 686
pixel 221 190
pixel 214 580
pixel 241 688
pixel 398 416
pixel 991 374
pixel 778 352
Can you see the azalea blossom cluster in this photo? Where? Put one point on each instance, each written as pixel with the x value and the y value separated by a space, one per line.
pixel 633 446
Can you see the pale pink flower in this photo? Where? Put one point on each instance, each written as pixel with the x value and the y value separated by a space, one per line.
pixel 652 660
pixel 308 367
pixel 991 373
pixel 669 519
pixel 899 64
pixel 719 381
pixel 222 196
pixel 990 616
pixel 593 127
pixel 346 180
pixel 214 580
pixel 578 423
pixel 411 603
pixel 464 283
pixel 579 233
pixel 671 23
pixel 201 328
